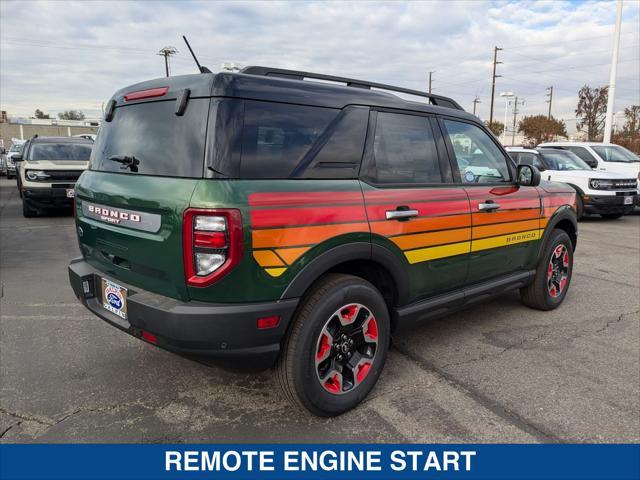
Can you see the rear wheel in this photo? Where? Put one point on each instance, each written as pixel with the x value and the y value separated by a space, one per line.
pixel 337 346
pixel 553 275
pixel 611 216
pixel 27 210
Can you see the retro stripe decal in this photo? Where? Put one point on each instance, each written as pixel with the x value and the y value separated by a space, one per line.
pixel 285 225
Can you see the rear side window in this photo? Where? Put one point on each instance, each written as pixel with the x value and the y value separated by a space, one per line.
pixel 404 150
pixel 584 154
pixel 276 137
pixel 164 144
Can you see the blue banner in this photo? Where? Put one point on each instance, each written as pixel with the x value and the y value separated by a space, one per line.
pixel 322 462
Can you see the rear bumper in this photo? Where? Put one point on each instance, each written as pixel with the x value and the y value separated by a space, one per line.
pixel 609 204
pixel 213 333
pixel 53 197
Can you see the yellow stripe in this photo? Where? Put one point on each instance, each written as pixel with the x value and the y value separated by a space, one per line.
pixel 425 254
pixel 504 240
pixel 275 272
pixel 290 255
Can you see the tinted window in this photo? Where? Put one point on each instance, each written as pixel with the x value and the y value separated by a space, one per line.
pixel 276 137
pixel 404 150
pixel 60 151
pixel 563 160
pixel 164 143
pixel 527 158
pixel 478 158
pixel 584 154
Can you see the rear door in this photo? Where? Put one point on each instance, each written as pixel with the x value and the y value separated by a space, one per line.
pixel 144 168
pixel 505 216
pixel 414 209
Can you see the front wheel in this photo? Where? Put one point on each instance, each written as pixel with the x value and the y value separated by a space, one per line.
pixel 27 210
pixel 337 346
pixel 611 216
pixel 553 275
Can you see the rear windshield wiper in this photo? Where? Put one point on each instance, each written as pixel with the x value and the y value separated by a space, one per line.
pixel 129 162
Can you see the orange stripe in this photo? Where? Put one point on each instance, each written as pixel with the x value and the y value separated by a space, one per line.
pixel 288 237
pixel 418 225
pixel 504 228
pixel 408 242
pixel 266 258
pixel 290 255
pixel 505 216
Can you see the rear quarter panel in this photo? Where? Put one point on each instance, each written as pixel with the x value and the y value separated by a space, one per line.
pixel 286 224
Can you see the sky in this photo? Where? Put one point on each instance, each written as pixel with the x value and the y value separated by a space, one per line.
pixel 57 55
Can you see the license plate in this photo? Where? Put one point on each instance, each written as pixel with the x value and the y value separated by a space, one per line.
pixel 71 193
pixel 628 200
pixel 114 298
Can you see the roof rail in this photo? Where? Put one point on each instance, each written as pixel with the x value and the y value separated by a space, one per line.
pixel 350 82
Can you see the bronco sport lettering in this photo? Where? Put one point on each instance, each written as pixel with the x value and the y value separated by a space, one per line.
pixel 275 222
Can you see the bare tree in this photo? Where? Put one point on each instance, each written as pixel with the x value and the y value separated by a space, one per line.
pixel 591 111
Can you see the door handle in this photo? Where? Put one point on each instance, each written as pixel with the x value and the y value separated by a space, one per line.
pixel 401 214
pixel 488 206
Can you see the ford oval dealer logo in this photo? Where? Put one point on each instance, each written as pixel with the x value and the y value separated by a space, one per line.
pixel 114 298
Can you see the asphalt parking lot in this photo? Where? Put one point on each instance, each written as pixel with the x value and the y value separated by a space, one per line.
pixel 496 373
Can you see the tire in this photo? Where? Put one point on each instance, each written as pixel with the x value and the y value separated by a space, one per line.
pixel 579 207
pixel 27 211
pixel 310 371
pixel 611 216
pixel 545 292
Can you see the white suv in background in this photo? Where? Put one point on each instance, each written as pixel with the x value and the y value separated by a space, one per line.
pixel 605 157
pixel 605 193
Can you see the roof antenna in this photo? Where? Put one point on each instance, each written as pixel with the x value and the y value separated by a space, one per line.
pixel 200 67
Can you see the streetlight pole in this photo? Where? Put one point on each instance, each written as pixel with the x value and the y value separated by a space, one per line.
pixel 612 78
pixel 506 96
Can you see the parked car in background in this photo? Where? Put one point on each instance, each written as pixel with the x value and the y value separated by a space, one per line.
pixel 605 157
pixel 49 171
pixel 14 151
pixel 608 194
pixel 258 217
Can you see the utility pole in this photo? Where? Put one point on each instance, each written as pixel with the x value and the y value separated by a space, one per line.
pixel 167 52
pixel 475 102
pixel 515 113
pixel 612 78
pixel 550 95
pixel 430 73
pixel 493 82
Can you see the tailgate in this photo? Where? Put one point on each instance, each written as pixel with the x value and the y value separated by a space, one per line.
pixel 130 228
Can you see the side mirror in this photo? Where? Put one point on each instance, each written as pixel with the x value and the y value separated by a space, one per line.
pixel 528 176
pixel 592 163
pixel 17 158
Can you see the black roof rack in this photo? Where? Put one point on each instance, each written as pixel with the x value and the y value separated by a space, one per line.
pixel 350 82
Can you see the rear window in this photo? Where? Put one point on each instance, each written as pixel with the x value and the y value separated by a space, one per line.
pixel 60 151
pixel 164 143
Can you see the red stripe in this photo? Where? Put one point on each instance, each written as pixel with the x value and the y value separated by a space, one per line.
pixel 500 192
pixel 413 195
pixel 377 212
pixel 306 216
pixel 302 198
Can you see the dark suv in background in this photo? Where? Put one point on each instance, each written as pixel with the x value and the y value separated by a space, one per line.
pixel 49 168
pixel 258 216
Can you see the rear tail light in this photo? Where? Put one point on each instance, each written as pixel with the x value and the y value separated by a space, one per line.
pixel 212 244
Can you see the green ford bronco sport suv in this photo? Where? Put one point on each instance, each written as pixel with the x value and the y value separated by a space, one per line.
pixel 259 218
